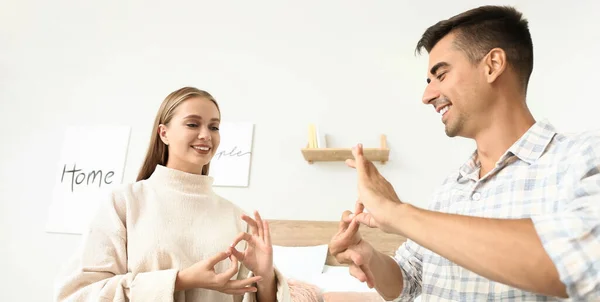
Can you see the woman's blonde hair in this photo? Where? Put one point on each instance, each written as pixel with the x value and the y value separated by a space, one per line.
pixel 158 152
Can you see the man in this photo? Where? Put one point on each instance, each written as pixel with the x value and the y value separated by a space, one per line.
pixel 520 220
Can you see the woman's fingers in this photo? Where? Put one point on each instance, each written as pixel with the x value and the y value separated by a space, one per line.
pixel 241 291
pixel 218 257
pixel 259 225
pixel 242 236
pixel 240 287
pixel 239 255
pixel 267 233
pixel 251 223
pixel 231 271
pixel 236 284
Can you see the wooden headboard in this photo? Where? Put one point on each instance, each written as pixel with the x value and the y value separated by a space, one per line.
pixel 308 233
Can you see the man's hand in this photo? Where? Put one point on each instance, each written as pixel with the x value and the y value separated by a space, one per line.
pixel 348 247
pixel 347 234
pixel 362 217
pixel 374 192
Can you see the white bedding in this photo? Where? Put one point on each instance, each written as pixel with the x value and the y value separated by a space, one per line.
pixel 338 279
pixel 306 264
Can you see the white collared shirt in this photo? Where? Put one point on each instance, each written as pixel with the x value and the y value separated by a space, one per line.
pixel 552 178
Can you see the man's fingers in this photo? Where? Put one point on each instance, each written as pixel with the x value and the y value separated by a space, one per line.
pixel 345 221
pixel 350 257
pixel 360 163
pixel 356 258
pixel 344 257
pixel 357 152
pixel 351 163
pixel 357 273
pixel 362 273
pixel 348 216
pixel 366 219
pixel 352 229
pixel 344 238
pixel 358 208
pixel 369 275
pixel 251 223
pixel 242 236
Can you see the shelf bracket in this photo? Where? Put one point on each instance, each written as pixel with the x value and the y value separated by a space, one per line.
pixel 383 144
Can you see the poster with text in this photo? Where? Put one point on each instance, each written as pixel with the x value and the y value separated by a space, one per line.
pixel 91 163
pixel 230 166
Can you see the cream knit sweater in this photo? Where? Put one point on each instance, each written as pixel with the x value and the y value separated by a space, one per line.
pixel 149 230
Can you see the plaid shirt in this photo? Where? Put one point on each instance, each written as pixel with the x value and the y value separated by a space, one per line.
pixel 552 178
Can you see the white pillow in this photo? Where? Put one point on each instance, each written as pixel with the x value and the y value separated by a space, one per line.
pixel 338 279
pixel 300 262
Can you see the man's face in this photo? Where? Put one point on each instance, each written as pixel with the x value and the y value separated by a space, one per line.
pixel 454 88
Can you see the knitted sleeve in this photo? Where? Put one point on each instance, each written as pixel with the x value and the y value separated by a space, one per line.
pixel 283 290
pixel 98 270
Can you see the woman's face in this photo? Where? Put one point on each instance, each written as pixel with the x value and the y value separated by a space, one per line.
pixel 192 135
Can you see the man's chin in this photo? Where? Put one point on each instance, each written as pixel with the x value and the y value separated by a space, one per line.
pixel 450 132
pixel 453 130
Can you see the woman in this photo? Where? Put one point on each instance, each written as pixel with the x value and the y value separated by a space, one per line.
pixel 168 236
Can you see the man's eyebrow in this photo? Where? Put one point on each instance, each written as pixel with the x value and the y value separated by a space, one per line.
pixel 435 68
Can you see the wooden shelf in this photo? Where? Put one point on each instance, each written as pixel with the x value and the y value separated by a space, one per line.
pixel 341 154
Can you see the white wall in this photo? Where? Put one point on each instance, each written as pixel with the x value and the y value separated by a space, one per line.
pixel 71 62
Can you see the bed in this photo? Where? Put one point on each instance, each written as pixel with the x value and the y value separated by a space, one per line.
pixel 300 253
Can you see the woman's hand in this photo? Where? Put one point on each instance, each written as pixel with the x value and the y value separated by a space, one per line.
pixel 258 255
pixel 203 275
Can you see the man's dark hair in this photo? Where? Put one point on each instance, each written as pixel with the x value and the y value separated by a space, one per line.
pixel 481 29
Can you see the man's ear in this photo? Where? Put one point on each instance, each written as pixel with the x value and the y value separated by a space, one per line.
pixel 162 133
pixel 495 64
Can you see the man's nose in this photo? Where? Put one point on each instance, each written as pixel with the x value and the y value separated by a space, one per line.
pixel 431 93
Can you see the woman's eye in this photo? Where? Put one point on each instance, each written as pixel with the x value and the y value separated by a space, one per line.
pixel 214 128
pixel 192 125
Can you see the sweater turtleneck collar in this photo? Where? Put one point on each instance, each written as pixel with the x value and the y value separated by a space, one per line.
pixel 182 181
